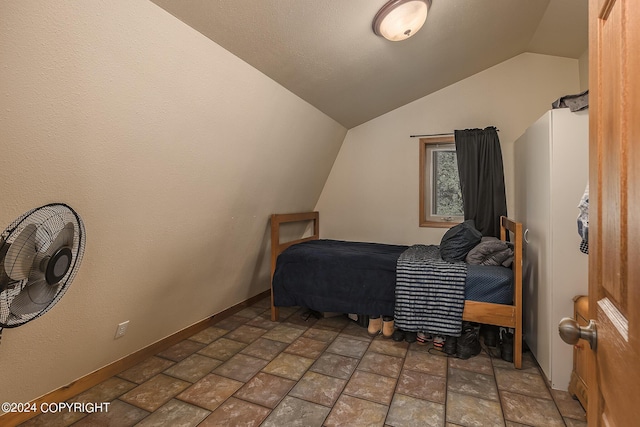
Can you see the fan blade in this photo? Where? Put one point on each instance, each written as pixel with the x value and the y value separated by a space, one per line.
pixel 33 298
pixel 20 255
pixel 35 276
pixel 64 238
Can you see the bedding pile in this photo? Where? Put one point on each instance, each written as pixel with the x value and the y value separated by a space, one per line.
pixel 430 292
pixel 491 251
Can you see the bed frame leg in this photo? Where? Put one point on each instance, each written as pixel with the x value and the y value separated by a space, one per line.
pixel 517 348
pixel 275 311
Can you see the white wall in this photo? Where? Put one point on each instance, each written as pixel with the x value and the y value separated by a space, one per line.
pixel 372 191
pixel 172 150
pixel 583 62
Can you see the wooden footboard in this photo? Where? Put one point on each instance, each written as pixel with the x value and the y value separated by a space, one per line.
pixel 509 316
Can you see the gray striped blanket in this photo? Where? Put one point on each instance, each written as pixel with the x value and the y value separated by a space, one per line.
pixel 429 292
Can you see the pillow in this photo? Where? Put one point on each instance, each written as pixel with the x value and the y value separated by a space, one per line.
pixel 459 240
pixel 491 251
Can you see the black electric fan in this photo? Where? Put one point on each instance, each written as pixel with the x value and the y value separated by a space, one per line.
pixel 40 253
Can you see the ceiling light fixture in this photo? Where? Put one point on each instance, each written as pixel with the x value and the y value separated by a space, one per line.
pixel 400 19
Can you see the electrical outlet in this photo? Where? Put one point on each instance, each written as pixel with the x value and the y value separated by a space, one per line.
pixel 121 329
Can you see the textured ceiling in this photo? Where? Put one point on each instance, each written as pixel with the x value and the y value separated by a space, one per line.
pixel 326 52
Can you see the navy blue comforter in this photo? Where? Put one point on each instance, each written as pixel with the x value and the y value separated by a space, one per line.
pixel 356 277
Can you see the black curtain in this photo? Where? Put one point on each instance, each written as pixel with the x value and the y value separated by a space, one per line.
pixel 481 178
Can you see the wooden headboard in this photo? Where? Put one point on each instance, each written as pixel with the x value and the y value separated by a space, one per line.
pixel 277 247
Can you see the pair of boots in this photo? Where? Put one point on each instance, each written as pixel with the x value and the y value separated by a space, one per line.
pixel 379 325
pixel 495 336
pixel 466 345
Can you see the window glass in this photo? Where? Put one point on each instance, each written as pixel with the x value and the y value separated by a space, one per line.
pixel 440 195
pixel 447 197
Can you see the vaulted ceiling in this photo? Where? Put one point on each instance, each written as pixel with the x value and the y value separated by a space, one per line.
pixel 325 51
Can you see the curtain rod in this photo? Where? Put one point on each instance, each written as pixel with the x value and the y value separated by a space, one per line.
pixel 431 134
pixel 437 134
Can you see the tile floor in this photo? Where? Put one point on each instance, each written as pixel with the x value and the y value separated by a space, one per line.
pixel 248 371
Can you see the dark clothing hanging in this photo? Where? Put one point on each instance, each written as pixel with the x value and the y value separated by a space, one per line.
pixel 481 178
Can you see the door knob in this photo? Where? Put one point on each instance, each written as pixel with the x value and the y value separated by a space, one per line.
pixel 570 332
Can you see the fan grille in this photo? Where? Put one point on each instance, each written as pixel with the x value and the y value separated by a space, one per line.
pixel 49 221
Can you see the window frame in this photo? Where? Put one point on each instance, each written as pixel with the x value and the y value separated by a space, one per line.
pixel 425 218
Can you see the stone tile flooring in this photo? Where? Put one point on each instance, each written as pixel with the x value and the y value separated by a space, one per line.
pixel 246 370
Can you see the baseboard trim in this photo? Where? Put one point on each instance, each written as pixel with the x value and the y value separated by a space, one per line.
pixel 12 419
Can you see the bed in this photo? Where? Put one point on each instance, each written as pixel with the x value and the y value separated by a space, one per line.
pixel 493 296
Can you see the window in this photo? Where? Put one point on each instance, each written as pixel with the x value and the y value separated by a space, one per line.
pixel 440 195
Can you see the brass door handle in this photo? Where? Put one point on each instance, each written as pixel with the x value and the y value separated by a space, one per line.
pixel 570 332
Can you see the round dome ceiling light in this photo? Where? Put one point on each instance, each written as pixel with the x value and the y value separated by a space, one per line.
pixel 400 19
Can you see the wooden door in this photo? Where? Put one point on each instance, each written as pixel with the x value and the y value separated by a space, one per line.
pixel 614 212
